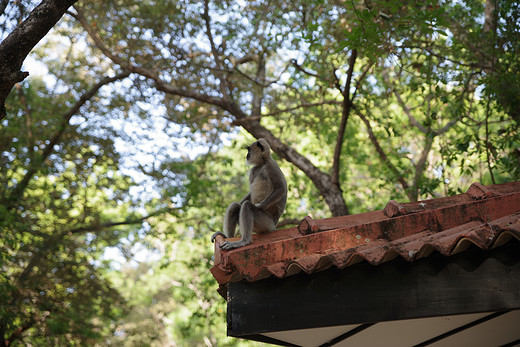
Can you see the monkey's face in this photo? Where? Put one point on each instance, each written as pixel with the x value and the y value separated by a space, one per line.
pixel 250 154
pixel 255 153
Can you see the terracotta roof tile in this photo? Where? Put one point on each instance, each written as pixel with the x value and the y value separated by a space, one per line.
pixel 485 216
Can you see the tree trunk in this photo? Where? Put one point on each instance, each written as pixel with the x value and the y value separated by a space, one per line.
pixel 15 48
pixel 331 192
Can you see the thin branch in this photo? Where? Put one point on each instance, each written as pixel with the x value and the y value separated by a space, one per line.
pixel 403 105
pixel 207 21
pixel 28 121
pixel 290 109
pixel 53 240
pixel 17 333
pixel 245 59
pixel 301 69
pixel 227 105
pixel 337 82
pixel 420 166
pixel 383 155
pixel 99 227
pixel 304 105
pixel 488 144
pixel 266 83
pixel 345 114
pixel 80 17
pixel 446 127
pixel 256 106
pixel 18 191
pixel 443 57
pixel 350 72
pixel 361 78
pixel 358 16
pixel 214 50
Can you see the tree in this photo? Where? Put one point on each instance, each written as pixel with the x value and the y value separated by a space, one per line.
pixel 245 52
pixel 134 141
pixel 60 203
pixel 236 77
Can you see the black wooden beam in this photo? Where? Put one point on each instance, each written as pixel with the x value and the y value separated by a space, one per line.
pixel 461 328
pixel 470 282
pixel 512 344
pixel 266 339
pixel 347 335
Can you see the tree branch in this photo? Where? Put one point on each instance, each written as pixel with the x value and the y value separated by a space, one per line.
pixel 403 105
pixel 99 227
pixel 15 47
pixel 326 102
pixel 256 108
pixel 301 69
pixel 227 105
pixel 3 5
pixel 488 144
pixel 360 79
pixel 52 241
pixel 17 333
pixel 446 127
pixel 420 167
pixel 35 166
pixel 447 58
pixel 28 121
pixel 345 114
pixel 239 122
pixel 214 50
pixel 490 15
pixel 383 155
pixel 332 194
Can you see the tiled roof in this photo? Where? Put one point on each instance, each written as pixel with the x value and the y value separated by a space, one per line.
pixel 485 216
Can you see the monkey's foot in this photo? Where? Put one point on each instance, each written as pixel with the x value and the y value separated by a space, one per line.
pixel 215 235
pixel 232 245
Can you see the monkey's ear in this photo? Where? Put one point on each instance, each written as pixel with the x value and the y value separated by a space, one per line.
pixel 260 146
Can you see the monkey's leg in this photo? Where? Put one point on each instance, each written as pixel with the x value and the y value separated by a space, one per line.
pixel 251 218
pixel 230 221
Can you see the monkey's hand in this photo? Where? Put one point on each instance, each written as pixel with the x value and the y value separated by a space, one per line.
pixel 215 235
pixel 232 245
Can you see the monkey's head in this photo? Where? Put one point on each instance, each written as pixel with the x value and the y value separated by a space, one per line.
pixel 258 152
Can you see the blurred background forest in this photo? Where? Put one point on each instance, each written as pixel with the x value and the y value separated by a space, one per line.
pixel 121 150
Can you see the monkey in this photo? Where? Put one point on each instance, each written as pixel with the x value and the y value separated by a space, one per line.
pixel 260 210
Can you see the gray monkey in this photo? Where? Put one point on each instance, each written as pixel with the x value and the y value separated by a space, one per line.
pixel 259 210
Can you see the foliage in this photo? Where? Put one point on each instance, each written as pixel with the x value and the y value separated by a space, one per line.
pixel 53 292
pixel 118 162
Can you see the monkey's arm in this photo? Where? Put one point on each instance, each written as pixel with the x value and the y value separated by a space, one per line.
pixel 246 198
pixel 279 187
pixel 272 199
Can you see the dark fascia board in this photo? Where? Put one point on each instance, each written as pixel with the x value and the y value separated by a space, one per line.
pixel 469 282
